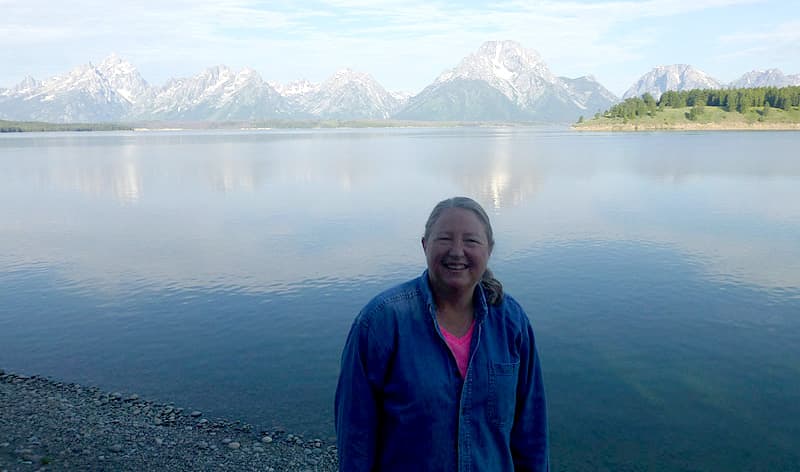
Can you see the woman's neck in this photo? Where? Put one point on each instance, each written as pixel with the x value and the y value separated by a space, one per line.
pixel 455 313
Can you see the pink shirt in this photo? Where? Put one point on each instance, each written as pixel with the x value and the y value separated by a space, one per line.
pixel 460 348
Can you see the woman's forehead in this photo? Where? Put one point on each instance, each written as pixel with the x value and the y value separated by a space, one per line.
pixel 459 218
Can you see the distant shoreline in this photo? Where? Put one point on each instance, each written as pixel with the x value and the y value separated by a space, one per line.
pixel 266 125
pixel 632 127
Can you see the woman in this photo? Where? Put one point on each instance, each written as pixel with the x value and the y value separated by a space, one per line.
pixel 441 372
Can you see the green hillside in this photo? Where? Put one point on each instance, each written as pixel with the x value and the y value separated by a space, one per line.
pixel 756 108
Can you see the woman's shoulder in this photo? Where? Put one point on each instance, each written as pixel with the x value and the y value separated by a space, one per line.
pixel 392 300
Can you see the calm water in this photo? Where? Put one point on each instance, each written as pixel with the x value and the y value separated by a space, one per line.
pixel 221 270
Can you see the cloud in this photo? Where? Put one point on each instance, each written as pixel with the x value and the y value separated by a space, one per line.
pixel 788 32
pixel 777 45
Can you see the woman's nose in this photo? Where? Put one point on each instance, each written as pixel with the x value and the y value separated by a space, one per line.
pixel 456 249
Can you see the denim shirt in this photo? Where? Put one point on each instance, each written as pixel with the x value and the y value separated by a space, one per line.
pixel 401 404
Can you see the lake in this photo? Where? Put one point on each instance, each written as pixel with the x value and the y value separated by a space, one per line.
pixel 221 270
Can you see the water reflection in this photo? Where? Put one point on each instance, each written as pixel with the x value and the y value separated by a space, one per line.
pixel 343 203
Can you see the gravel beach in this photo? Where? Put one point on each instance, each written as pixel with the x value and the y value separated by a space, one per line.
pixel 50 425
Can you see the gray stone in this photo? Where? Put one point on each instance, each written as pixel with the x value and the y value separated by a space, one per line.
pixel 227 441
pixel 202 445
pixel 196 413
pixel 234 445
pixel 115 448
pixel 266 439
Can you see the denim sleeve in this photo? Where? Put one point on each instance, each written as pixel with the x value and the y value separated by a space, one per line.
pixel 356 403
pixel 529 435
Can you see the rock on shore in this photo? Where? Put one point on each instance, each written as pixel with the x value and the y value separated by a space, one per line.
pixel 50 425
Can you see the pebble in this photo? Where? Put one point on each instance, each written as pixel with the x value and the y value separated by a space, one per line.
pixel 50 425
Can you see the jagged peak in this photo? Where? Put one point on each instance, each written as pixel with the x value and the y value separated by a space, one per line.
pixel 506 48
pixel 27 81
pixel 112 58
pixel 348 73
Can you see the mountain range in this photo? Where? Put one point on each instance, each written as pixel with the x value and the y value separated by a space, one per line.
pixel 500 81
pixel 680 77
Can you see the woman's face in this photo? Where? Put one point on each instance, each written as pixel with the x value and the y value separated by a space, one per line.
pixel 457 251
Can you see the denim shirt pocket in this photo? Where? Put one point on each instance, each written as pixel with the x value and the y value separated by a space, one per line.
pixel 502 392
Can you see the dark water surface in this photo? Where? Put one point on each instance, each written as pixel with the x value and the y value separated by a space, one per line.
pixel 222 270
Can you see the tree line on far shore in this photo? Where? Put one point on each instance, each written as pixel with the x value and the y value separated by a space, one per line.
pixel 24 126
pixel 733 100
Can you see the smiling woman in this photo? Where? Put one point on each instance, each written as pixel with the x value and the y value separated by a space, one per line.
pixel 441 372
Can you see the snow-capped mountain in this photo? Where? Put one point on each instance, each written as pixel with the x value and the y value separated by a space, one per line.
pixel 114 91
pixel 675 77
pixel 217 93
pixel 347 95
pixel 765 78
pixel 82 94
pixel 518 74
pixel 25 87
pixel 125 80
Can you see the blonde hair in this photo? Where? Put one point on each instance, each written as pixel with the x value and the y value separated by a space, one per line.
pixel 491 286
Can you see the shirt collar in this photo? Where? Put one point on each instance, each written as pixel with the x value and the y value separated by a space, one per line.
pixel 479 298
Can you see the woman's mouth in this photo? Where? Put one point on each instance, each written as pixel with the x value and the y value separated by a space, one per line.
pixel 455 266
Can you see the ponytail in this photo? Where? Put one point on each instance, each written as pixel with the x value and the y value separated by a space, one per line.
pixel 492 288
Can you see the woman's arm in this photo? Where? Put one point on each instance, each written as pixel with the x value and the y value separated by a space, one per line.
pixel 356 403
pixel 529 435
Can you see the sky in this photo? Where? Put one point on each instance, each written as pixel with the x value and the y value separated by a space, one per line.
pixel 403 44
